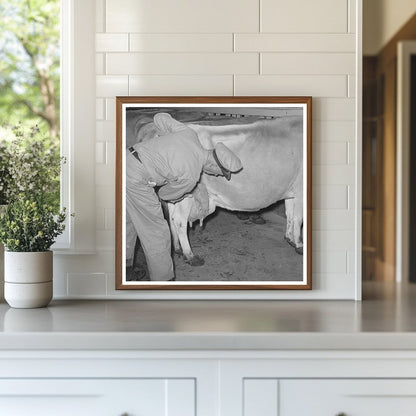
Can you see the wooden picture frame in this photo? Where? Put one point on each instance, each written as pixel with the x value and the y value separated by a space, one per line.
pixel 272 138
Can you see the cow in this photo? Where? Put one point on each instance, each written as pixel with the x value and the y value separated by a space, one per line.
pixel 271 152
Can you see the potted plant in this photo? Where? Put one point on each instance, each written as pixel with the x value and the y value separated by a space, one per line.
pixel 32 220
pixel 28 228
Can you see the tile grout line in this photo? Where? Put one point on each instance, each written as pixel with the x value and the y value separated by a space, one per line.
pixel 260 20
pixel 347 268
pixel 233 84
pixel 348 16
pixel 348 153
pixel 104 16
pixel 260 64
pixel 348 197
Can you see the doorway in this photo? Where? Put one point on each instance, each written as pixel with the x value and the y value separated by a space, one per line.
pixel 412 196
pixel 387 131
pixel 406 161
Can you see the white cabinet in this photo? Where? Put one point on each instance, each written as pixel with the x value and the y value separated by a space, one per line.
pixel 349 397
pixel 319 383
pixel 87 397
pixel 330 397
pixel 207 383
pixel 106 383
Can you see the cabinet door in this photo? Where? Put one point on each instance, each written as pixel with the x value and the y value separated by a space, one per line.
pixel 86 397
pixel 347 397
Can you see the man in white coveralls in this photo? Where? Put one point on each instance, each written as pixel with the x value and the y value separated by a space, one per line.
pixel 171 162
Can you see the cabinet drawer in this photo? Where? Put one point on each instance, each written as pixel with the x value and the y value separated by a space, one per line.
pixel 349 397
pixel 86 397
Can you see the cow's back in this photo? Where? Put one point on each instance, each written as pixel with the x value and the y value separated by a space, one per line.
pixel 271 152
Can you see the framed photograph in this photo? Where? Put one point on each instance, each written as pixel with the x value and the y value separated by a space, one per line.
pixel 213 193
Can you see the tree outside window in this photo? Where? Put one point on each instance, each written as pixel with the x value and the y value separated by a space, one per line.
pixel 30 69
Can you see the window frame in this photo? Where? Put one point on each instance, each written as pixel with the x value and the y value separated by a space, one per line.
pixel 78 126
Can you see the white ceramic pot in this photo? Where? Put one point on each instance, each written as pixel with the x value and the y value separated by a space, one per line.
pixel 28 278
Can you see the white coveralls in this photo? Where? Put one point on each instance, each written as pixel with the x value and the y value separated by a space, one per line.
pixel 174 163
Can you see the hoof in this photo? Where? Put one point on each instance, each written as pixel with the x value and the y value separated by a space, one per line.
pixel 299 250
pixel 257 219
pixel 140 274
pixel 196 261
pixel 290 242
pixel 242 216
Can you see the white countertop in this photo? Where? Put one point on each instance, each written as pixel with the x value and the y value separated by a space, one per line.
pixel 385 319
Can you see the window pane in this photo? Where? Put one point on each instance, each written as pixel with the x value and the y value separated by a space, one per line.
pixel 30 71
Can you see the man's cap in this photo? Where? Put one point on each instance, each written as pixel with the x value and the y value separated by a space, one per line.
pixel 166 124
pixel 227 160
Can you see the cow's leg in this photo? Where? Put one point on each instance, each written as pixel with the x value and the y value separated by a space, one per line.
pixel 289 207
pixel 179 222
pixel 297 224
pixel 173 229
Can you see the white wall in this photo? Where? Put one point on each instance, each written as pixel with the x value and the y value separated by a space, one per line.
pixel 233 47
pixel 381 20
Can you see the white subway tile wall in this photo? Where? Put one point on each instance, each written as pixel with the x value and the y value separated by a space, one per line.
pixel 331 109
pixel 104 174
pixel 182 63
pixel 100 109
pixel 100 64
pixel 332 220
pixel 100 153
pixel 332 262
pixel 351 86
pixel 110 109
pixel 112 42
pixel 86 284
pixel 330 153
pixel 100 16
pixel 283 42
pixel 224 48
pixel 333 175
pixel 181 85
pixel 352 16
pixel 330 197
pixel 331 131
pixel 300 16
pixel 317 63
pixel 105 131
pixel 182 16
pixel 111 86
pixel 180 42
pixel 314 85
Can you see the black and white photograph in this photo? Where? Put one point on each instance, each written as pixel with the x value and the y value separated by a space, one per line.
pixel 213 193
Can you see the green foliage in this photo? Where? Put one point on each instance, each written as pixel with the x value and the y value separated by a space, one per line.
pixel 5 176
pixel 29 224
pixel 29 164
pixel 30 63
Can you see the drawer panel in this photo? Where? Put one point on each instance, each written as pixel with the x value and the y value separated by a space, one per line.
pixel 86 397
pixel 349 397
